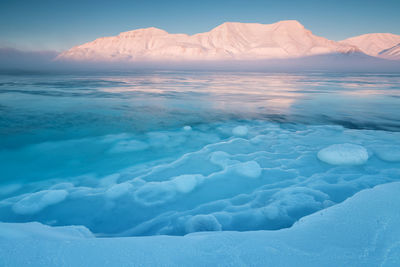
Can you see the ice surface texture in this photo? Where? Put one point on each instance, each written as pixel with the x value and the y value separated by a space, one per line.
pixel 239 175
pixel 361 231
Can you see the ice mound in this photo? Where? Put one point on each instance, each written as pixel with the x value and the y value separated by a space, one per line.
pixel 343 154
pixel 201 223
pixel 35 202
pixel 118 190
pixel 220 158
pixel 156 193
pixel 186 183
pixel 390 153
pixel 249 169
pixel 240 131
pixel 204 179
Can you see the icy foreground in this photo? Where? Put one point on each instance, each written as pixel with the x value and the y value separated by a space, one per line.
pixel 362 231
pixel 244 176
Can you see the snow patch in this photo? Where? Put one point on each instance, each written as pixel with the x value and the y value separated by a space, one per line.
pixel 201 223
pixel 240 131
pixel 186 183
pixel 250 169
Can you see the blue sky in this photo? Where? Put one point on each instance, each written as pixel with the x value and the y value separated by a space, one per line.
pixel 60 24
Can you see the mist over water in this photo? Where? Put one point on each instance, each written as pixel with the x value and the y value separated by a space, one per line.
pixel 120 142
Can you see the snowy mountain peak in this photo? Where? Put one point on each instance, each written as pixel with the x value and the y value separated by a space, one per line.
pixel 234 27
pixel 146 31
pixel 391 53
pixel 292 24
pixel 230 40
pixel 373 43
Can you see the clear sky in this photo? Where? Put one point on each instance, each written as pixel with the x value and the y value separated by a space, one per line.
pixel 61 24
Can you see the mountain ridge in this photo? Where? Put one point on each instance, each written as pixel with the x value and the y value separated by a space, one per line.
pixel 228 41
pixel 373 43
pixel 391 53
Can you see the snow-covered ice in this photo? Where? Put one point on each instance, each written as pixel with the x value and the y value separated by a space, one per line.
pixel 249 169
pixel 343 154
pixel 346 234
pixel 240 130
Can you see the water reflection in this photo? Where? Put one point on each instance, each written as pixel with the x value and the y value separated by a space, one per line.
pixel 101 103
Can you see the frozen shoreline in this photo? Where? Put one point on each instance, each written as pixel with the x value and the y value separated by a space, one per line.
pixel 361 231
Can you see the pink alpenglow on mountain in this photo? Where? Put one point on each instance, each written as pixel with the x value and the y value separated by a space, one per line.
pixel 374 44
pixel 228 41
pixel 391 53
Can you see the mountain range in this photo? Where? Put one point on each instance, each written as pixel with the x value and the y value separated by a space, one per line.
pixel 230 41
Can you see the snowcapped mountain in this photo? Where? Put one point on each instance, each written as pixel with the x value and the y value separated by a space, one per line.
pixel 374 44
pixel 391 53
pixel 231 40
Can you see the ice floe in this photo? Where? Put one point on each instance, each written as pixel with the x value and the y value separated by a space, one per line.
pixel 343 154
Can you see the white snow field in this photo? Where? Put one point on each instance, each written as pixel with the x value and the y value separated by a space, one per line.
pixel 362 231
